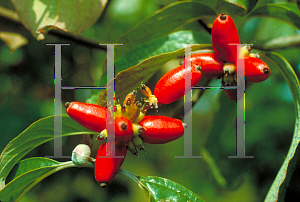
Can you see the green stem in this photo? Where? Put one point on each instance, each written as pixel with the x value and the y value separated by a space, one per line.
pixel 281 182
pixel 134 178
pixel 213 167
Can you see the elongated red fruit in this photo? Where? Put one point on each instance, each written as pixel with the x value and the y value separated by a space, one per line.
pixel 161 129
pixel 256 70
pixel 223 34
pixel 123 131
pixel 171 86
pixel 106 168
pixel 211 66
pixel 91 116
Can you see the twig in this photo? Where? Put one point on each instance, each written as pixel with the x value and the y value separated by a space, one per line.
pixel 13 18
pixel 77 39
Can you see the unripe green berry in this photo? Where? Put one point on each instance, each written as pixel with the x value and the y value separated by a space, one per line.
pixel 138 142
pixel 137 129
pixel 81 155
pixel 229 68
pixel 132 149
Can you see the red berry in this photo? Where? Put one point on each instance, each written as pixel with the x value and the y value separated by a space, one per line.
pixel 161 129
pixel 123 131
pixel 91 116
pixel 106 168
pixel 256 70
pixel 171 86
pixel 223 34
pixel 211 66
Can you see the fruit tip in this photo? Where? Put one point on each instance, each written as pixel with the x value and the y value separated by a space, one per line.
pixel 266 70
pixel 223 16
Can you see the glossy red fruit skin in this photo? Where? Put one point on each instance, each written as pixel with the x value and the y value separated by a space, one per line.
pixel 171 86
pixel 256 70
pixel 106 168
pixel 123 136
pixel 161 129
pixel 211 65
pixel 91 116
pixel 232 93
pixel 223 34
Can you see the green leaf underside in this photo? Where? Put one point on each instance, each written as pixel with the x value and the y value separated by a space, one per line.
pixel 131 78
pixel 154 36
pixel 164 22
pixel 277 190
pixel 163 44
pixel 69 15
pixel 36 134
pixel 161 189
pixel 245 6
pixel 28 173
pixel 278 11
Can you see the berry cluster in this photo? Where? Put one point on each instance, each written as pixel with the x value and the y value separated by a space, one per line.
pixel 133 127
pixel 226 45
pixel 222 63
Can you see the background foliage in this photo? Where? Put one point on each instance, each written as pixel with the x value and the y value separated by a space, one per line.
pixel 27 94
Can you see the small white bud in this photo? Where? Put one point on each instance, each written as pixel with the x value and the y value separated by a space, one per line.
pixel 81 155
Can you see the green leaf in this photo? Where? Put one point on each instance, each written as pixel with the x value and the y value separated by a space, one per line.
pixel 68 15
pixel 163 44
pixel 154 31
pixel 277 190
pixel 131 78
pixel 212 3
pixel 242 6
pixel 28 173
pixel 283 12
pixel 164 189
pixel 29 164
pixel 94 96
pixel 36 134
pixel 161 189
